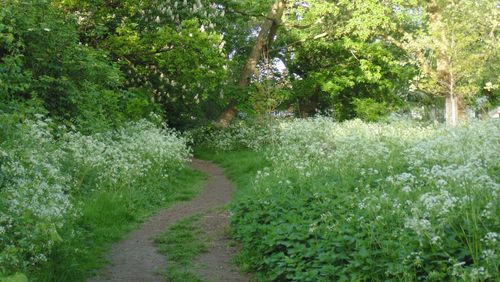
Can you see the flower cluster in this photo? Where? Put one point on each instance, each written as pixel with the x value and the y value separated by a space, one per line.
pixel 44 170
pixel 405 202
pixel 127 154
pixel 239 134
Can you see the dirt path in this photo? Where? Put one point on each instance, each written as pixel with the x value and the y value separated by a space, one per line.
pixel 214 265
pixel 136 259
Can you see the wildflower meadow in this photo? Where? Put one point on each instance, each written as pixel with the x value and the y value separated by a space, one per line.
pixel 371 201
pixel 49 174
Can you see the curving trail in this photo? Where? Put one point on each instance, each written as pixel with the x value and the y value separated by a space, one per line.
pixel 136 259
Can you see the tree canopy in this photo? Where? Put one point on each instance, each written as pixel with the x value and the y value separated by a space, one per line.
pixel 96 63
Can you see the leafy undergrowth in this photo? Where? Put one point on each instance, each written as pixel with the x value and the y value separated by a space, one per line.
pixel 65 196
pixel 356 201
pixel 181 243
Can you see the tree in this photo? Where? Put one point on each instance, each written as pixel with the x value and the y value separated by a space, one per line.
pixel 338 58
pixel 198 58
pixel 454 50
pixel 264 41
pixel 170 50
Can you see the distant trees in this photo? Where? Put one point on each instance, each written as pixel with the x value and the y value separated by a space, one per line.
pixel 340 61
pixel 456 51
pixel 355 57
pixel 332 53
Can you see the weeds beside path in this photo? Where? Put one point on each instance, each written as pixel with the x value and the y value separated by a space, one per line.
pixel 136 257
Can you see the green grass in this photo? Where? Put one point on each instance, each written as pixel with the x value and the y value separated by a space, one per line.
pixel 240 166
pixel 106 217
pixel 181 243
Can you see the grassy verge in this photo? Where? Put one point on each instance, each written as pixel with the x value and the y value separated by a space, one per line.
pixel 182 242
pixel 106 217
pixel 240 166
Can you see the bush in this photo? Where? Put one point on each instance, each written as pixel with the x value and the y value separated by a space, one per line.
pixel 356 201
pixel 48 171
pixel 242 133
pixel 370 110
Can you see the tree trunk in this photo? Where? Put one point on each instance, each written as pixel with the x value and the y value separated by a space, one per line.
pixel 451 110
pixel 446 76
pixel 454 106
pixel 445 87
pixel 264 39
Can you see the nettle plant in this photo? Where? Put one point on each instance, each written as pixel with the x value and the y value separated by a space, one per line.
pixel 46 171
pixel 361 201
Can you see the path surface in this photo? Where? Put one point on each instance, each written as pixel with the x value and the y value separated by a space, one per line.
pixel 135 259
pixel 215 265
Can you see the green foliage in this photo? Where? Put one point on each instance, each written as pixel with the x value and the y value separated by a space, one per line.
pixel 80 189
pixel 97 64
pixel 99 69
pixel 370 110
pixel 169 51
pixel 41 59
pixel 455 48
pixel 342 56
pixel 18 277
pixel 241 134
pixel 356 201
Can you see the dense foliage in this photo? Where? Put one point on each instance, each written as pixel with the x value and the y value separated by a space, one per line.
pixel 42 60
pixel 90 89
pixel 168 49
pixel 49 173
pixel 356 201
pixel 98 64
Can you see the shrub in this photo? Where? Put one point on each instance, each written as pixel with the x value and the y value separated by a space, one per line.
pixel 356 201
pixel 242 133
pixel 46 172
pixel 370 110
